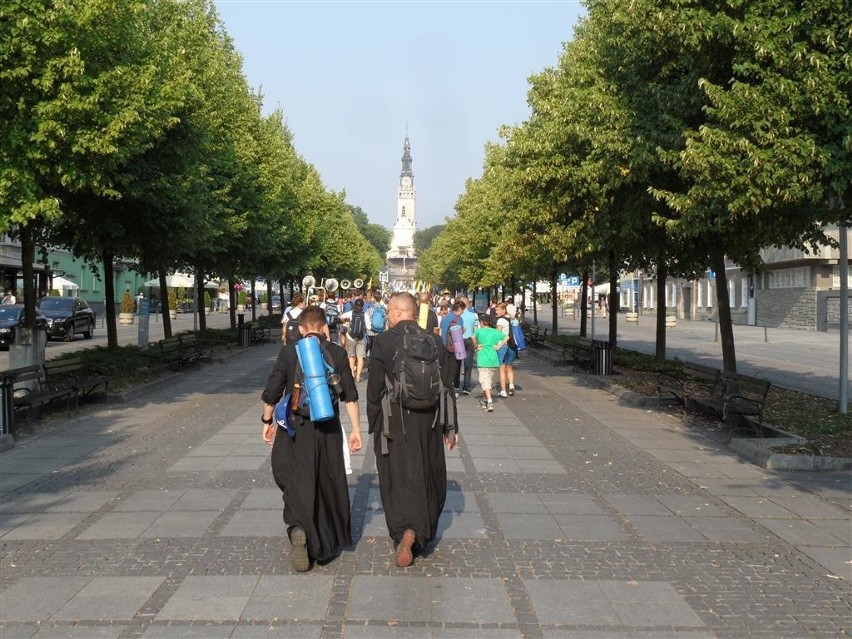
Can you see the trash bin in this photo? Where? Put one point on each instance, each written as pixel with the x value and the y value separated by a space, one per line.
pixel 602 352
pixel 244 333
pixel 7 410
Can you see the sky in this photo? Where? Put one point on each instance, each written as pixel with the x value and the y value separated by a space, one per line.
pixel 351 76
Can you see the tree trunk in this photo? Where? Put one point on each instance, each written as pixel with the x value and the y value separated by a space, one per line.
pixel 27 259
pixel 535 304
pixel 201 304
pixel 662 276
pixel 109 299
pixel 253 299
pixel 554 301
pixel 269 297
pixel 584 303
pixel 723 307
pixel 232 303
pixel 164 302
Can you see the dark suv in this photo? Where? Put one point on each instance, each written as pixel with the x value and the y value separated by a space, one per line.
pixel 11 317
pixel 67 316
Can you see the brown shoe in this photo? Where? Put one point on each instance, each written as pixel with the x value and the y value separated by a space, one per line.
pixel 404 554
pixel 299 552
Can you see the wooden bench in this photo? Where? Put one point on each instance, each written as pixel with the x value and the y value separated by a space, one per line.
pixel 579 354
pixel 260 334
pixel 26 399
pixel 738 400
pixel 193 350
pixel 71 372
pixel 176 355
pixel 534 335
pixel 693 379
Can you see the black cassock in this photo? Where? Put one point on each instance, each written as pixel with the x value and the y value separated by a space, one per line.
pixel 413 475
pixel 309 468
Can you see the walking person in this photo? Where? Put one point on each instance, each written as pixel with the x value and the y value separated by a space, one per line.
pixel 470 322
pixel 508 353
pixel 450 365
pixel 353 337
pixel 308 465
pixel 488 341
pixel 408 443
pixel 290 320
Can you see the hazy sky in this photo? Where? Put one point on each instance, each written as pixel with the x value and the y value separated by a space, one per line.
pixel 349 75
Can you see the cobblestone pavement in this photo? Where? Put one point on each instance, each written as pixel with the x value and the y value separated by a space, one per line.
pixel 569 515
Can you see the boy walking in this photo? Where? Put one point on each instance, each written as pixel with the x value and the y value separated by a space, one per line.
pixel 487 340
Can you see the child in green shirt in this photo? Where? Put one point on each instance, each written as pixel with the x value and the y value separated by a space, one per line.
pixel 487 340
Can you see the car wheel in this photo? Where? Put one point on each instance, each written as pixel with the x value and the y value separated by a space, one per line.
pixel 69 337
pixel 90 331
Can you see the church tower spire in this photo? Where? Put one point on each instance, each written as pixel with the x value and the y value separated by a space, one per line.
pixel 402 242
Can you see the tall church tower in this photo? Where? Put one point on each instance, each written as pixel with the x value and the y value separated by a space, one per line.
pixel 402 242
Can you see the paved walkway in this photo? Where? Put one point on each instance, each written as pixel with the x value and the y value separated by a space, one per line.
pixel 569 515
pixel 802 360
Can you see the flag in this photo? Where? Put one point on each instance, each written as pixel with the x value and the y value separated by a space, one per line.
pixel 370 284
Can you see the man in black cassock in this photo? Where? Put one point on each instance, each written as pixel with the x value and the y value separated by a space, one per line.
pixel 413 473
pixel 308 467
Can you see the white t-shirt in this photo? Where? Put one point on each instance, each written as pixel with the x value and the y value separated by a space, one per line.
pixel 293 313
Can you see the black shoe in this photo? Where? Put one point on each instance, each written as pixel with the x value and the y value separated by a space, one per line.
pixel 299 551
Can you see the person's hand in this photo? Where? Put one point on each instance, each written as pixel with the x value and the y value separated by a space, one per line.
pixel 451 439
pixel 269 433
pixel 355 442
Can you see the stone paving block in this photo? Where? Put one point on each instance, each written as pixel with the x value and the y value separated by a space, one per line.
pixel 255 523
pixel 282 631
pixel 38 598
pixel 836 560
pixel 459 525
pixel 205 499
pixel 12 521
pixel 570 602
pixel 149 500
pixel 251 463
pixel 497 466
pixel 725 529
pixel 757 507
pixel 180 523
pixel 9 466
pixel 638 505
pixel 489 451
pixel 212 450
pixel 46 526
pixel 363 631
pixel 82 501
pixel 665 528
pixel 212 598
pixel 109 598
pixel 119 525
pixel 253 449
pixel 291 597
pixel 428 599
pixel 589 528
pixel 811 507
pixel 840 528
pixel 79 632
pixel 517 503
pixel 526 526
pixel 570 504
pixel 29 502
pixel 460 500
pixel 184 631
pixel 532 452
pixel 691 505
pixel 800 532
pixel 18 631
pixel 455 465
pixel 533 466
pixel 263 499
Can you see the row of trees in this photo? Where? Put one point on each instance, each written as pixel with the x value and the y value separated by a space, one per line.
pixel 130 131
pixel 668 136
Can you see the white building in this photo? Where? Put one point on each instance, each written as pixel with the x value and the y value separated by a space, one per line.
pixel 402 242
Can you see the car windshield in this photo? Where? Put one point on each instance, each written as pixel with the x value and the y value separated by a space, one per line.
pixel 10 311
pixel 55 304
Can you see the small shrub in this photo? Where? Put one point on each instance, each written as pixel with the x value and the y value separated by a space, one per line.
pixel 127 303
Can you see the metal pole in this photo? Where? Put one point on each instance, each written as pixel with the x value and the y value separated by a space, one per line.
pixel 844 321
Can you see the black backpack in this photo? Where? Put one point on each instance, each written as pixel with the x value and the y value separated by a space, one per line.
pixel 332 315
pixel 291 329
pixel 414 383
pixel 357 327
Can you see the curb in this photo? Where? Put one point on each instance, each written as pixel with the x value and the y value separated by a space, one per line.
pixel 756 451
pixel 7 442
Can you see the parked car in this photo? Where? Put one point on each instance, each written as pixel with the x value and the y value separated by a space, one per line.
pixel 276 303
pixel 67 316
pixel 11 317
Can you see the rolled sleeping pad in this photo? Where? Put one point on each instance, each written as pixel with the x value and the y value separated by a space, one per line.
pixel 458 342
pixel 519 335
pixel 423 318
pixel 309 351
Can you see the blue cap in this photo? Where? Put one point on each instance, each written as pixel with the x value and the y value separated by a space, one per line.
pixel 283 416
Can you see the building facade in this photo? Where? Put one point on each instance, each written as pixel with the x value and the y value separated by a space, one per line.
pixel 795 290
pixel 401 258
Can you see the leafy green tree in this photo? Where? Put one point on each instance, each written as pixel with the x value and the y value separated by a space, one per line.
pixel 423 238
pixel 376 234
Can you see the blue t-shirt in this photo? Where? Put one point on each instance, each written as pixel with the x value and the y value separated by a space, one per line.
pixel 470 321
